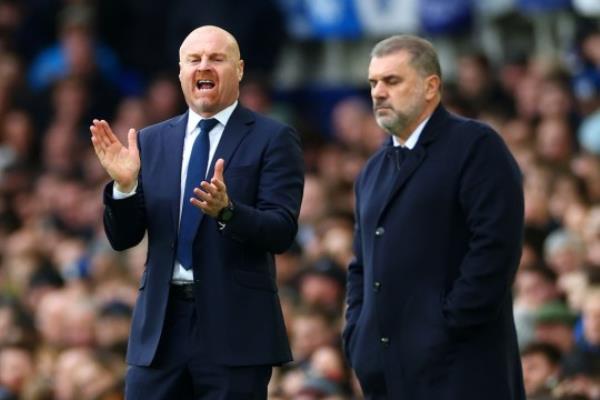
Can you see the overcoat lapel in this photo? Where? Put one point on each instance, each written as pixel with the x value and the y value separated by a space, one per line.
pixel 416 156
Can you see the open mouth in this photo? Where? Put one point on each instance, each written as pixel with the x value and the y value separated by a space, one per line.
pixel 204 84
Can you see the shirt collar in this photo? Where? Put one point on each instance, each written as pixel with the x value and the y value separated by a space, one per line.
pixel 412 140
pixel 222 116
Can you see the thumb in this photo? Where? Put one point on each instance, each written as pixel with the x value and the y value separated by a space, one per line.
pixel 132 140
pixel 219 165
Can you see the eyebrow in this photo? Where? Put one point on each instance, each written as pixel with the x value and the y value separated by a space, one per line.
pixel 384 77
pixel 210 55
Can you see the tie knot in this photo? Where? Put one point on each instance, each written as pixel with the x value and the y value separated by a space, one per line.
pixel 397 151
pixel 206 125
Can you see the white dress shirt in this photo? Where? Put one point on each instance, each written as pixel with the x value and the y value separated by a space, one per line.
pixel 412 140
pixel 180 274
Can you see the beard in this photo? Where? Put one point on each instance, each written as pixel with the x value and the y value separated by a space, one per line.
pixel 394 121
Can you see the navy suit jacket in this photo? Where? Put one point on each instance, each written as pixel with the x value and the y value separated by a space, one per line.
pixel 429 298
pixel 234 271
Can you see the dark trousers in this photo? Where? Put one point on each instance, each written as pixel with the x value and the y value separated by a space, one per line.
pixel 377 388
pixel 182 369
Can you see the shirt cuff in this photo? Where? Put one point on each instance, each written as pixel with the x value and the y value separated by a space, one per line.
pixel 118 195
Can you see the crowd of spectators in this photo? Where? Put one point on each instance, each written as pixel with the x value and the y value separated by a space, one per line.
pixel 66 298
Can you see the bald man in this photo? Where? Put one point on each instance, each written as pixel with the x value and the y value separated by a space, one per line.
pixel 218 191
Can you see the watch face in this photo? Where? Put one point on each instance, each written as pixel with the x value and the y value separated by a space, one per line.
pixel 226 215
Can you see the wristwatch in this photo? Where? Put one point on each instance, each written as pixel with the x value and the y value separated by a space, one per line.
pixel 226 213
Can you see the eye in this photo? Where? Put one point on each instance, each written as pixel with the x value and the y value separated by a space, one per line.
pixel 216 57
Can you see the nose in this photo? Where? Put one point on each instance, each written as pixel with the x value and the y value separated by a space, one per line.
pixel 204 64
pixel 378 91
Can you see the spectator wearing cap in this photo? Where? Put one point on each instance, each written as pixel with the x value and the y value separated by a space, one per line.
pixel 112 326
pixel 45 279
pixel 322 285
pixel 554 325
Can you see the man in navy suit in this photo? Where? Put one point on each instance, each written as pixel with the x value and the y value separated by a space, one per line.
pixel 439 220
pixel 218 191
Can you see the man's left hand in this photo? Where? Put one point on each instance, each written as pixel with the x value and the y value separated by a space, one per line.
pixel 211 197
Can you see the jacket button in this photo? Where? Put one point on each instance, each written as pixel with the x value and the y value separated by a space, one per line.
pixel 376 286
pixel 379 231
pixel 172 244
pixel 385 340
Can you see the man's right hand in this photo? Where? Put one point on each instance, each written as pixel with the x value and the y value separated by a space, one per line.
pixel 121 163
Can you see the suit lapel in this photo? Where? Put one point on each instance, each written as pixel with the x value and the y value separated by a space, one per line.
pixel 172 140
pixel 236 129
pixel 416 156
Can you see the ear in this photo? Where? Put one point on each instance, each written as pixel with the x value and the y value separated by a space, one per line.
pixel 240 70
pixel 432 86
pixel 179 75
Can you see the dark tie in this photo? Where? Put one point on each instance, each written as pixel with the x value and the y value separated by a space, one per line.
pixel 196 173
pixel 397 154
pixel 390 166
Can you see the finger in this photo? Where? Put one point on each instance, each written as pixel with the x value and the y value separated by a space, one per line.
pixel 202 195
pixel 96 143
pixel 198 203
pixel 219 185
pixel 109 132
pixel 219 165
pixel 97 147
pixel 212 203
pixel 108 136
pixel 132 141
pixel 102 133
pixel 202 205
pixel 97 135
pixel 210 188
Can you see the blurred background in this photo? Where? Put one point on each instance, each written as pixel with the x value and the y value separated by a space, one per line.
pixel 529 68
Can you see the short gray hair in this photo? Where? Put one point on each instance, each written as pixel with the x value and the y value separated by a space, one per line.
pixel 423 55
pixel 561 239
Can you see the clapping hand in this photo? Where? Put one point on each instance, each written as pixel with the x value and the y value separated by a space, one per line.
pixel 122 163
pixel 212 197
